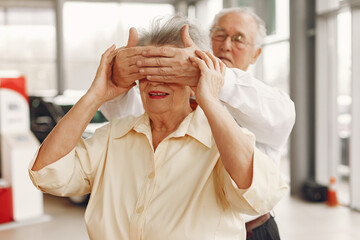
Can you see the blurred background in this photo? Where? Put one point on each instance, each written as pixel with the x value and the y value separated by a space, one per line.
pixel 312 52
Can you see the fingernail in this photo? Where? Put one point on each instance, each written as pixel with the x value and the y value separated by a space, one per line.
pixel 144 53
pixel 138 63
pixel 148 77
pixel 141 70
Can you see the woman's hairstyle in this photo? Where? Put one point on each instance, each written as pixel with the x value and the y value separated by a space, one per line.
pixel 261 29
pixel 167 32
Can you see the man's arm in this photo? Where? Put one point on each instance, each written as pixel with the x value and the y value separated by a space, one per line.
pixel 266 111
pixel 126 104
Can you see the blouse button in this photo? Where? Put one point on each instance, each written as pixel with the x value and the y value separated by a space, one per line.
pixel 140 210
pixel 151 175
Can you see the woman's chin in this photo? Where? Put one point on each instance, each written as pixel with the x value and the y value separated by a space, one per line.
pixel 157 110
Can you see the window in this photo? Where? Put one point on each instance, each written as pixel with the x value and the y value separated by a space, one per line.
pixel 337 73
pixel 100 25
pixel 2 16
pixel 344 52
pixel 272 67
pixel 27 45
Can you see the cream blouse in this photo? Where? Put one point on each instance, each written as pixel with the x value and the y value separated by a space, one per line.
pixel 180 191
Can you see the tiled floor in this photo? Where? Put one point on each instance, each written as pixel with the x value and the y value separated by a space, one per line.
pixel 300 220
pixel 297 220
pixel 67 222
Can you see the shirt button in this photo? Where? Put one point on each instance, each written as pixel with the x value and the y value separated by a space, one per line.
pixel 140 210
pixel 151 175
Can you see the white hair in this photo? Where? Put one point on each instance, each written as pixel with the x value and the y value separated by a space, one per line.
pixel 167 31
pixel 261 29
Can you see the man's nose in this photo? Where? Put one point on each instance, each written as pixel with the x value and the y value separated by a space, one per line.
pixel 226 45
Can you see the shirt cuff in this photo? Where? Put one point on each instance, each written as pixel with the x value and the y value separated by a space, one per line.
pixel 266 190
pixel 232 77
pixel 54 175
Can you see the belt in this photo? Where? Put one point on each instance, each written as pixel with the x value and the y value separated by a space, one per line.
pixel 250 226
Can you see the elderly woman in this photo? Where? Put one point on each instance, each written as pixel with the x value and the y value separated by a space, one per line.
pixel 173 172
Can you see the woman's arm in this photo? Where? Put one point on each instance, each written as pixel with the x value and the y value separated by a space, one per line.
pixel 63 138
pixel 235 147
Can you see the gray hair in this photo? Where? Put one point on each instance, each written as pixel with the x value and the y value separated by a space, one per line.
pixel 261 29
pixel 168 33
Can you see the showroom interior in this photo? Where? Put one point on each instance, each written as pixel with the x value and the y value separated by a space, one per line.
pixel 49 53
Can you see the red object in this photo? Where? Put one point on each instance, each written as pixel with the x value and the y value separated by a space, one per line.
pixel 331 194
pixel 17 84
pixel 6 207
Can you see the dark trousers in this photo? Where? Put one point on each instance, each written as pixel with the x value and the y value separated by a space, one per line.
pixel 267 231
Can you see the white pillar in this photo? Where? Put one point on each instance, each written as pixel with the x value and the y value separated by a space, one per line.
pixel 327 141
pixel 355 135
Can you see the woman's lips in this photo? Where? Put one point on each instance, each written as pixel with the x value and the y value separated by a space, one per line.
pixel 157 94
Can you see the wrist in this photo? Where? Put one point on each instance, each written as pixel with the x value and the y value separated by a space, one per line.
pixel 121 83
pixel 92 99
pixel 208 101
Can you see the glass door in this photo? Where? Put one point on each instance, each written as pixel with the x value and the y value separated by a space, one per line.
pixel 338 98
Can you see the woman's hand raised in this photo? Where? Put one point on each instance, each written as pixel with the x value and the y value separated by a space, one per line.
pixel 103 88
pixel 211 78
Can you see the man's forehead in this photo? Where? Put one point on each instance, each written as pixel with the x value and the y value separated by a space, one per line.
pixel 218 28
pixel 237 23
pixel 223 27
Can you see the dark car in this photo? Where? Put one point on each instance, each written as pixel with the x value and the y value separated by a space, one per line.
pixel 46 112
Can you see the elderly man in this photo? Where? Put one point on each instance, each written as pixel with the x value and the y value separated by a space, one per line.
pixel 236 36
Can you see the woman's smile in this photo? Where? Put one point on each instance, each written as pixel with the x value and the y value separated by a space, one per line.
pixel 158 94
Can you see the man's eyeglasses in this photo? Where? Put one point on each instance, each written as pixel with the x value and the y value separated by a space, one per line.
pixel 238 41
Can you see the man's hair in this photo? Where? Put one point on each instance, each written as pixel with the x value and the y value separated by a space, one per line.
pixel 261 29
pixel 167 32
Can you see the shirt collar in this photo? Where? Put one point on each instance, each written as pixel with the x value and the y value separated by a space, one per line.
pixel 122 126
pixel 199 127
pixel 194 125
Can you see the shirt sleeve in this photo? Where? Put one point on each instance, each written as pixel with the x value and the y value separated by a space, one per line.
pixel 266 190
pixel 126 104
pixel 73 174
pixel 266 111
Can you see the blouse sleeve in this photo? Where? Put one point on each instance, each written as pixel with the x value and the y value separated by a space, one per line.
pixel 73 174
pixel 266 190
